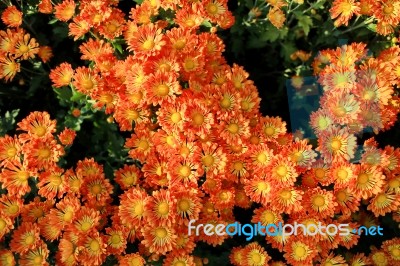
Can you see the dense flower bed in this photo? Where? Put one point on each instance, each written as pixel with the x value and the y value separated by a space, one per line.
pixel 198 147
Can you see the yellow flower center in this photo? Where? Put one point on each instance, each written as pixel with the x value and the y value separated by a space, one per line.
pixel 256 258
pixel 132 114
pixel 320 173
pixel 184 170
pixel 281 170
pixel 300 252
pixel 269 131
pixel 319 201
pixel 285 194
pixel 238 166
pixel 233 128
pixel 263 186
pixel 138 210
pixel 208 160
pixel 161 232
pixel 184 205
pixel 262 158
pixel 38 260
pixel 162 90
pixel 381 199
pixel 39 131
pixel 388 9
pixel 363 178
pixel 86 226
pixel 340 111
pixel 189 22
pixel 212 9
pixel 96 189
pixel 225 103
pixel 176 117
pixel 94 245
pixel 341 196
pixel 395 252
pixel 223 196
pixel 179 44
pixel 87 84
pixel 130 179
pixel 11 152
pixel 245 105
pixel 323 123
pixel 67 217
pixel 379 257
pixel 22 175
pixel 29 240
pixel 189 64
pixel 23 48
pixel 148 45
pixel 107 98
pixel 269 217
pixel 394 183
pixel 164 67
pixel 143 144
pixel 115 239
pixel 55 180
pixel 198 119
pixel 13 209
pixel 2 224
pixel 369 95
pixel 298 156
pixel 163 208
pixel 336 144
pixel 342 174
pixel 111 28
pixel 179 263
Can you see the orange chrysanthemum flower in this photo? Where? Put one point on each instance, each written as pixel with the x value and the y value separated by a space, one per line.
pixel 7 258
pixel 158 239
pixel 162 88
pixel 86 220
pixel 52 183
pixel 11 206
pixel 14 177
pixel 343 10
pixel 10 150
pixel 45 7
pixel 132 207
pixel 337 144
pixel 147 40
pixel 276 17
pixel 36 256
pixel 318 202
pixel 12 17
pixel 392 249
pixel 368 182
pixel 8 68
pixel 300 251
pixel 384 202
pixel 6 225
pixel 92 249
pixel 61 75
pixel 37 125
pixel 65 10
pixel 160 208
pixel 131 259
pixel 254 255
pixel 26 47
pixel 25 238
pixel 347 202
pixel 175 259
pixel 287 199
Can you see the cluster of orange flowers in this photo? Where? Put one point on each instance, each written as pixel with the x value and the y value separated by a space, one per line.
pixel 385 13
pixel 202 148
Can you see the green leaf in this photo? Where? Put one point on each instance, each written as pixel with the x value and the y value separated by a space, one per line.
pixel 118 47
pixel 206 23
pixel 76 96
pixel 54 20
pixel 305 23
pixel 63 93
pixel 371 27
